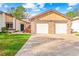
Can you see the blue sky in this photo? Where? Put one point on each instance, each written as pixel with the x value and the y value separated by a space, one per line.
pixel 36 8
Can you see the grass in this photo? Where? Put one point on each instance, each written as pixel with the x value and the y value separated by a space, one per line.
pixel 77 34
pixel 11 43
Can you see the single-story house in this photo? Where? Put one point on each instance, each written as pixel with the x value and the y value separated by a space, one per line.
pixel 12 24
pixel 51 22
pixel 75 24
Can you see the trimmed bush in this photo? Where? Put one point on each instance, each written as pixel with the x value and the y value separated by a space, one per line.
pixel 4 30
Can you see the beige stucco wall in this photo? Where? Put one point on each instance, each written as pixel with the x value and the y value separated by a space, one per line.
pixel 69 24
pixel 52 16
pixel 51 27
pixel 2 21
pixel 33 27
pixel 18 24
pixel 9 18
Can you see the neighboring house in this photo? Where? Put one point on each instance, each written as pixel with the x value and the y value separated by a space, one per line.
pixel 75 24
pixel 8 21
pixel 51 22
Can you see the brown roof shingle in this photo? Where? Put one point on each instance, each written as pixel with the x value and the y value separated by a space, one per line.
pixel 54 11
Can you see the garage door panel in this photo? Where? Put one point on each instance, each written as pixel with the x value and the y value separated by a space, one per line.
pixel 61 28
pixel 42 28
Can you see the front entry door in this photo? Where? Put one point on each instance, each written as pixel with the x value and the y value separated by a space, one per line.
pixel 22 27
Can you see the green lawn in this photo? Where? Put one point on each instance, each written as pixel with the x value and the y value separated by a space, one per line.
pixel 11 43
pixel 77 34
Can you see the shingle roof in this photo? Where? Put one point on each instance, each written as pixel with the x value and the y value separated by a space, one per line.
pixel 10 15
pixel 76 18
pixel 50 11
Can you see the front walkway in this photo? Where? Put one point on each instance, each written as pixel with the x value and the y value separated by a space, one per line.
pixel 50 45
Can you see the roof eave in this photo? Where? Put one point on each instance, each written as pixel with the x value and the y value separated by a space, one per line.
pixel 50 11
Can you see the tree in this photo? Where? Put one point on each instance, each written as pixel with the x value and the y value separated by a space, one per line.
pixel 71 14
pixel 27 15
pixel 19 12
pixel 76 11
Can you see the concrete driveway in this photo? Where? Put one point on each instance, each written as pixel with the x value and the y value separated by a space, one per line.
pixel 51 45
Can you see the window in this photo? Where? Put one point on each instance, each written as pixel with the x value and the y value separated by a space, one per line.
pixel 9 25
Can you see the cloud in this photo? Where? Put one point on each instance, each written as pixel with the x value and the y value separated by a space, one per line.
pixel 57 8
pixel 41 5
pixel 5 6
pixel 29 5
pixel 72 4
pixel 33 14
pixel 34 6
pixel 69 8
pixel 1 4
pixel 36 9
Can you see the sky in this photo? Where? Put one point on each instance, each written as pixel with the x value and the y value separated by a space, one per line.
pixel 37 8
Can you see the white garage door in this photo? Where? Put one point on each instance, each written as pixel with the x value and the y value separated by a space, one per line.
pixel 42 28
pixel 61 28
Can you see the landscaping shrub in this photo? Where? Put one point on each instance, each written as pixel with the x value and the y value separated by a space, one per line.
pixel 4 30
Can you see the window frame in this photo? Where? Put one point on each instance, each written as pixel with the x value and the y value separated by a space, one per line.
pixel 9 25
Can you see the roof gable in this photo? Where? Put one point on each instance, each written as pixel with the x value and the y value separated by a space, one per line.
pixel 48 12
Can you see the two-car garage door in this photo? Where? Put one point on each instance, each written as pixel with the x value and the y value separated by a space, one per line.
pixel 42 28
pixel 59 28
